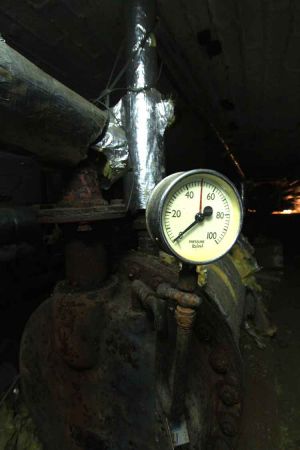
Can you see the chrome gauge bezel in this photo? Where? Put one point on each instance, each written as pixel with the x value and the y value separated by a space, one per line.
pixel 178 179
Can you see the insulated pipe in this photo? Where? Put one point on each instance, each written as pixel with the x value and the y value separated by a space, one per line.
pixel 18 225
pixel 41 115
pixel 141 104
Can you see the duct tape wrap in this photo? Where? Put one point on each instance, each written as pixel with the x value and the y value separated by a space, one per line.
pixel 114 146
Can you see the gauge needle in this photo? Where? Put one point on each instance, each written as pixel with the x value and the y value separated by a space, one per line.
pixel 199 217
pixel 201 194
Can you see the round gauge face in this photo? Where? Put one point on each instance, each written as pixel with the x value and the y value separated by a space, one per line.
pixel 201 216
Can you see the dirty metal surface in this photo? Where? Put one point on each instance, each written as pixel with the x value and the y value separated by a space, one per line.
pixel 225 288
pixel 89 369
pixel 184 299
pixel 84 246
pixel 223 285
pixel 17 430
pixel 81 214
pixel 215 385
pixel 89 380
pixel 149 269
pixel 82 200
pixel 215 391
pixel 82 188
pixel 43 116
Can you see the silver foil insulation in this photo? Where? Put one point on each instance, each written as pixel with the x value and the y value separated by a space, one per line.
pixel 146 113
pixel 147 117
pixel 147 167
pixel 114 146
pixel 134 136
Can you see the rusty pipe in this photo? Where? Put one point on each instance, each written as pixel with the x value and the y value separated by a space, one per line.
pixel 185 315
pixel 17 225
pixel 150 302
pixel 41 115
pixel 185 299
pixel 185 318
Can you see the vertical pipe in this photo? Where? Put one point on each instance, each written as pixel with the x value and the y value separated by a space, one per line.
pixel 185 318
pixel 142 116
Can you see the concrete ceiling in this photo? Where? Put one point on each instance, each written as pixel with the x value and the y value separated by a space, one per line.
pixel 237 62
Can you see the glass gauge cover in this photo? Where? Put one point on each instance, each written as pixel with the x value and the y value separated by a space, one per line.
pixel 196 215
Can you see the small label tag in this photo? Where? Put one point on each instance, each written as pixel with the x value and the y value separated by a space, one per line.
pixel 179 433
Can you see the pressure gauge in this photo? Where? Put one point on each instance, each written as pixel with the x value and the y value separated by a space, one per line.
pixel 196 215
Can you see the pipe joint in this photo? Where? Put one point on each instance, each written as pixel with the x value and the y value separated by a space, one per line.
pixel 184 299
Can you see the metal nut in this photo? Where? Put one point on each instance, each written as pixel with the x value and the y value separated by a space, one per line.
pixel 219 361
pixel 228 424
pixel 229 395
pixel 117 201
pixel 220 444
pixel 233 380
pixel 133 272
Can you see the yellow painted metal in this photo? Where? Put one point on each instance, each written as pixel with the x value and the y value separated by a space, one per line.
pixel 168 259
pixel 246 265
pixel 17 431
pixel 202 275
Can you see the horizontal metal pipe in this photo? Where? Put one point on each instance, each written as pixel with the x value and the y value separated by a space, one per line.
pixel 41 115
pixel 18 225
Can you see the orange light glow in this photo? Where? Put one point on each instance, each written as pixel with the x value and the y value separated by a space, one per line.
pixel 286 211
pixel 295 204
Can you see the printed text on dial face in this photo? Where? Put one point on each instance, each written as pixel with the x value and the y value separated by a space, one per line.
pixel 206 236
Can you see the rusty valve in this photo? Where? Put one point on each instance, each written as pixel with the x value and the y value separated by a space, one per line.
pixel 185 315
pixel 185 299
pixel 150 302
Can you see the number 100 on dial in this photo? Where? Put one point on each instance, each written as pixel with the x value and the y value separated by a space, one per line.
pixel 196 215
